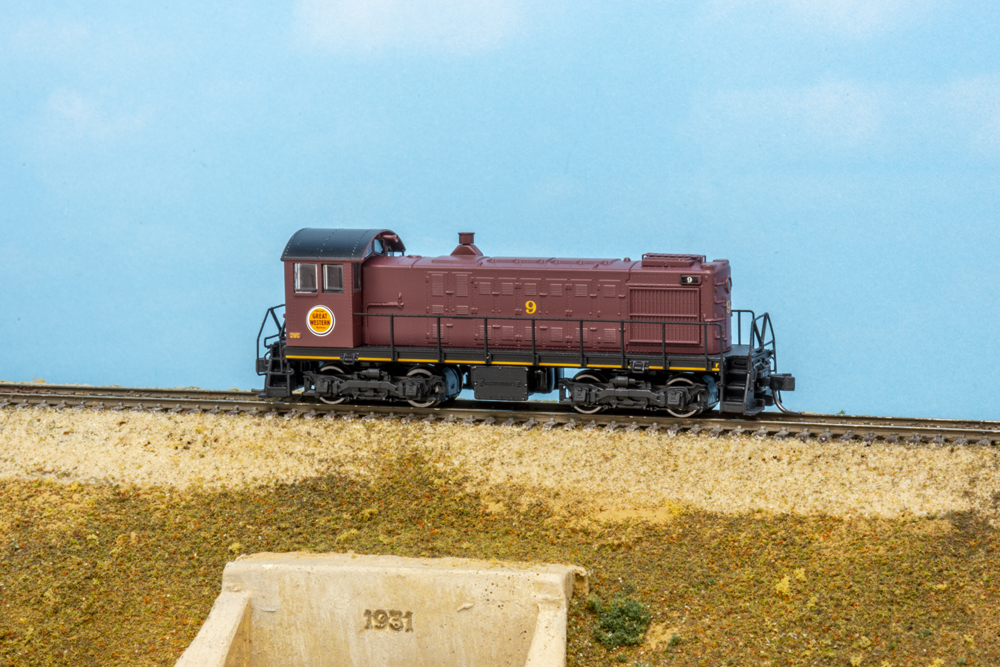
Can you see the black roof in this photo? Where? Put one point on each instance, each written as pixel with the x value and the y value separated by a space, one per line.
pixel 310 243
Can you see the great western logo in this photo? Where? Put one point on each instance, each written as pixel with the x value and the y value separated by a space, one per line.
pixel 321 321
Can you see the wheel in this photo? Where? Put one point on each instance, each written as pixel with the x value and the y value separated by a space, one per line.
pixel 422 372
pixel 589 378
pixel 332 369
pixel 686 383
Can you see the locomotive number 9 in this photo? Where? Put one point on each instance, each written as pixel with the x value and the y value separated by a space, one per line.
pixel 530 307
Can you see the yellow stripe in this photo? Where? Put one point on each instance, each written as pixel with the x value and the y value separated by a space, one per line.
pixel 683 368
pixel 497 363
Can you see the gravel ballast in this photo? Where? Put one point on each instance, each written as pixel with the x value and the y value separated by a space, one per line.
pixel 616 474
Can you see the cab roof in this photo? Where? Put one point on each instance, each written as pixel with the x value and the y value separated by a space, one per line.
pixel 346 244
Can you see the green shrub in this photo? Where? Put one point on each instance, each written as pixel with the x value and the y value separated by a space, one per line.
pixel 623 622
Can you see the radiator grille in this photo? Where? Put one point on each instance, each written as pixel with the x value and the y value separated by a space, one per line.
pixel 664 305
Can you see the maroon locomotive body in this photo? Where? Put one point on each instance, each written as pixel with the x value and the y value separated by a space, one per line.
pixel 365 321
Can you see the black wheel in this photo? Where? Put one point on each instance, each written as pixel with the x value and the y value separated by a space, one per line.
pixel 422 372
pixel 685 382
pixel 589 377
pixel 332 369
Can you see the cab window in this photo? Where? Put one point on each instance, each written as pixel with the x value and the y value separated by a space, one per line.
pixel 333 278
pixel 305 278
pixel 357 276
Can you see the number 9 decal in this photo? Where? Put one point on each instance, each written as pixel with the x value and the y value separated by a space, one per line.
pixel 530 307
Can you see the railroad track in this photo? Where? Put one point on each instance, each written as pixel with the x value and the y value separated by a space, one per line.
pixel 807 427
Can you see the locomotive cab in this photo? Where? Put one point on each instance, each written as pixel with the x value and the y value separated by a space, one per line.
pixel 324 285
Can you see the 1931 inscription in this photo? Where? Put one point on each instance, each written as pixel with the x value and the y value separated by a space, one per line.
pixel 393 619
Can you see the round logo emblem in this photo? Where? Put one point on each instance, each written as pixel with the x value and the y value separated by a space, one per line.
pixel 321 320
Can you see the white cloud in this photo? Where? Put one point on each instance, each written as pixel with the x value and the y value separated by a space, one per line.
pixel 842 115
pixel 850 18
pixel 50 39
pixel 75 116
pixel 973 106
pixel 454 26
pixel 858 18
pixel 851 120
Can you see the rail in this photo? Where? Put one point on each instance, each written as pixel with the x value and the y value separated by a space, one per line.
pixel 580 324
pixel 806 427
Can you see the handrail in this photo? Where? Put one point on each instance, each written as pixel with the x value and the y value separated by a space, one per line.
pixel 533 321
pixel 739 323
pixel 281 331
pixel 758 344
pixel 760 335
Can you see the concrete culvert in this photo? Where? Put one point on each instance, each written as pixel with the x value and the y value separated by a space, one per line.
pixel 347 610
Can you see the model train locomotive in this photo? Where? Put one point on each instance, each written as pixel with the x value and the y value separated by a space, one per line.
pixel 363 321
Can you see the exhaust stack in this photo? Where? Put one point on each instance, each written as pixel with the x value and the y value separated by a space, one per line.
pixel 466 246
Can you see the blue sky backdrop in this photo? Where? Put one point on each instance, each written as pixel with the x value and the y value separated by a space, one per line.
pixel 842 154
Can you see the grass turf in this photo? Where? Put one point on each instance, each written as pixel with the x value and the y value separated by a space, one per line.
pixel 105 575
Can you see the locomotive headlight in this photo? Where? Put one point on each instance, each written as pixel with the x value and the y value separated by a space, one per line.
pixel 690 280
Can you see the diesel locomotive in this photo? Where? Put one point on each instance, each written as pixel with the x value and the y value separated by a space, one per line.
pixel 364 321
